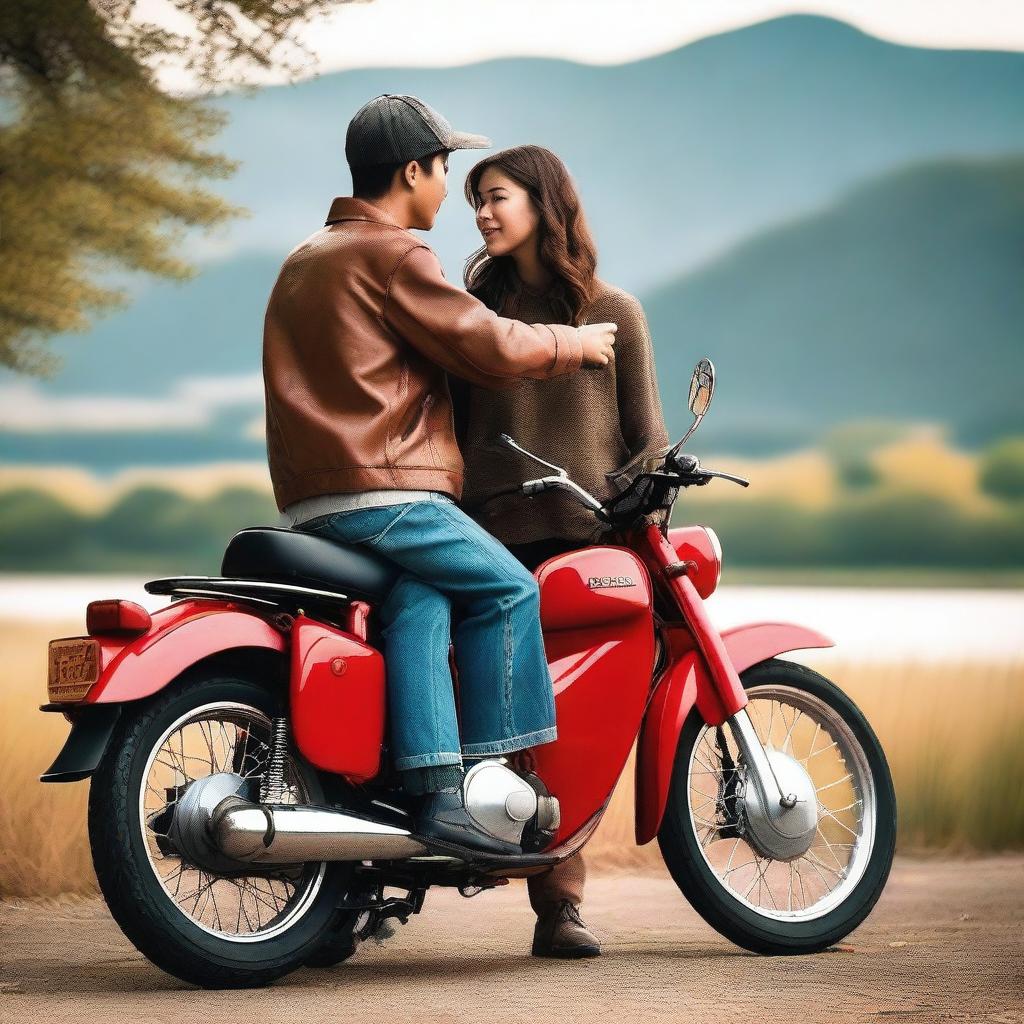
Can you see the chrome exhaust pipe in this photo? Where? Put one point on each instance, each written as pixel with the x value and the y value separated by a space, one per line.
pixel 292 834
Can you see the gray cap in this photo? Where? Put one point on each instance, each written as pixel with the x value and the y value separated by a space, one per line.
pixel 394 129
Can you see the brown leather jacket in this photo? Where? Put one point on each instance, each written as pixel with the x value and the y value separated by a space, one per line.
pixel 360 329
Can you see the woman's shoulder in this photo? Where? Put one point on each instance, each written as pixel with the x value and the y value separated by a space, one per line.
pixel 608 298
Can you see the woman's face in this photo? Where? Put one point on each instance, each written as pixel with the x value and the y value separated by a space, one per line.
pixel 505 214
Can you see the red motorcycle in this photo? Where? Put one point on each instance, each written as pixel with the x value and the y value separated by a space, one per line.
pixel 244 819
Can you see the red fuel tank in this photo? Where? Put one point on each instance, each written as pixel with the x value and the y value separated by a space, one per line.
pixel 337 700
pixel 599 638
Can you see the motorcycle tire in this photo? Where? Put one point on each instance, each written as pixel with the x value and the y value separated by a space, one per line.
pixel 712 899
pixel 137 900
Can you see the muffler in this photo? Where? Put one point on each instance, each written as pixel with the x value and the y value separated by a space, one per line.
pixel 291 834
pixel 216 828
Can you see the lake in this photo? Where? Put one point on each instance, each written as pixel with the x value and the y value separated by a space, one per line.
pixel 868 624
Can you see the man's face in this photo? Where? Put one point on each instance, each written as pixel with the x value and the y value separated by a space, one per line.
pixel 429 191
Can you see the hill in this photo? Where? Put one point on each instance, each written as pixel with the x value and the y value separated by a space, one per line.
pixel 903 301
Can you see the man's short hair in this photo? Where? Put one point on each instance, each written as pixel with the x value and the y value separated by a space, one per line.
pixel 374 181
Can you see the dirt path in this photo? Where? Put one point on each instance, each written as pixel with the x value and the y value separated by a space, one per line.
pixel 944 944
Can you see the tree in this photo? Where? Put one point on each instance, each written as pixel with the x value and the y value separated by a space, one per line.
pixel 101 169
pixel 1002 469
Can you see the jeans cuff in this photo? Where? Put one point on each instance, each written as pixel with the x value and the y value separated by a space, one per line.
pixel 528 739
pixel 427 760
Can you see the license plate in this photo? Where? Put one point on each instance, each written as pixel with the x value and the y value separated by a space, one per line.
pixel 74 667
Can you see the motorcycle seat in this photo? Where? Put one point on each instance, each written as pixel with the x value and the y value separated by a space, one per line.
pixel 289 556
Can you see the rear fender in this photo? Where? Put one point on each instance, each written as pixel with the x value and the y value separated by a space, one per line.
pixel 91 729
pixel 685 684
pixel 182 634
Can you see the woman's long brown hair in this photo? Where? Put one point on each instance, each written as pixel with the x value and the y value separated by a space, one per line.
pixel 566 248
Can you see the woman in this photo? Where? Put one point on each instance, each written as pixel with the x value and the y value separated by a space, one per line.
pixel 537 264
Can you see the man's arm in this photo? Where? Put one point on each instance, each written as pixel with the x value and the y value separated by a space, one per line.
pixel 457 331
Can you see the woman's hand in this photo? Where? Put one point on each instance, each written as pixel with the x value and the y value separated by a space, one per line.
pixel 597 341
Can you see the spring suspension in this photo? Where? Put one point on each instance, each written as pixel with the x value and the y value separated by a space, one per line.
pixel 273 789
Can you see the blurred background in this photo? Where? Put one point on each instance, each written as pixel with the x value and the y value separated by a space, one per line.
pixel 829 204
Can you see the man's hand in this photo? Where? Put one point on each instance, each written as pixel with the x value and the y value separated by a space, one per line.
pixel 597 341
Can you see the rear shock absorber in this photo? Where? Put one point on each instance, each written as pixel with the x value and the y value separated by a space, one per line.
pixel 273 789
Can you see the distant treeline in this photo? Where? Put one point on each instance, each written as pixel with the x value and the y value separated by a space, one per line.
pixel 156 530
pixel 878 530
pixel 150 529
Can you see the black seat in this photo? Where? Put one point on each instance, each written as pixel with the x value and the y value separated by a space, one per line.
pixel 290 556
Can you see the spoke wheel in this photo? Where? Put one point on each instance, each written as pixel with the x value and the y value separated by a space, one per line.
pixel 814 734
pixel 228 929
pixel 221 737
pixel 812 900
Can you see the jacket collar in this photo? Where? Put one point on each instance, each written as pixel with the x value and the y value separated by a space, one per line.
pixel 347 208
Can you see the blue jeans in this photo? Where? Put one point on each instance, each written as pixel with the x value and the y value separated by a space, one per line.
pixel 453 565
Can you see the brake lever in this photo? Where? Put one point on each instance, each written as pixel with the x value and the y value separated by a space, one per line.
pixel 725 476
pixel 536 458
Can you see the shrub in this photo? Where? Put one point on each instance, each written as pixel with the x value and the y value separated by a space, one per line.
pixel 1002 469
pixel 37 530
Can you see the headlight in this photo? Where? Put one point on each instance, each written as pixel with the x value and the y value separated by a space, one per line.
pixel 717 545
pixel 700 545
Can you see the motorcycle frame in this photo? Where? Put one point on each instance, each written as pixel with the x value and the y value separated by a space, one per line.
pixel 700 668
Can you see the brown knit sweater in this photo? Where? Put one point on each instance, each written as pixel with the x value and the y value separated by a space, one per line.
pixel 593 422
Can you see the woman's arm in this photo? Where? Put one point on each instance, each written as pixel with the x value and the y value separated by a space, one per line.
pixel 636 384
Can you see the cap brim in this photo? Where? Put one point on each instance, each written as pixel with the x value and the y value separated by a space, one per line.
pixel 464 140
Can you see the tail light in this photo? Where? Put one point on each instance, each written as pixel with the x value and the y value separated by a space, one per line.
pixel 103 618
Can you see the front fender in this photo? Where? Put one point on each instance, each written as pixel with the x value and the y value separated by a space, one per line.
pixel 181 635
pixel 686 683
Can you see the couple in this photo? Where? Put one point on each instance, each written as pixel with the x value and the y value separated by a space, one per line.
pixel 365 347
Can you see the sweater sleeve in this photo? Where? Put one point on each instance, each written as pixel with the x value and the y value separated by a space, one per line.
pixel 459 333
pixel 636 385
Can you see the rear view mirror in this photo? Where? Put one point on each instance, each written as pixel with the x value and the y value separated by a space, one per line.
pixel 702 387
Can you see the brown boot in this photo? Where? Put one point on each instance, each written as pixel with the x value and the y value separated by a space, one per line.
pixel 561 933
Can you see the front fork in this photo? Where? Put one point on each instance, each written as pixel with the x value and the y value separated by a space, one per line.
pixel 730 706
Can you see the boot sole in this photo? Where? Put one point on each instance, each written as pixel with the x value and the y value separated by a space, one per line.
pixel 567 952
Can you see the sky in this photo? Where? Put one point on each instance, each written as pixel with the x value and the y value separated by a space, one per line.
pixel 403 33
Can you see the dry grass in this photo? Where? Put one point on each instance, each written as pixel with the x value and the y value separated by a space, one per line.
pixel 952 735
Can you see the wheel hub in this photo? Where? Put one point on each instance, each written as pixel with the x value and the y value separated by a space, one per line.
pixel 189 831
pixel 778 831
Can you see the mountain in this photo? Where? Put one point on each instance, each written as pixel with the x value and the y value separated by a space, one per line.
pixel 905 300
pixel 680 159
pixel 676 156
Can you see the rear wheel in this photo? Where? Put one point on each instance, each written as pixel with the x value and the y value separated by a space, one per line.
pixel 806 903
pixel 216 928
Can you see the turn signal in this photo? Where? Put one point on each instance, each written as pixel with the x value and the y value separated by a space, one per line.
pixel 126 617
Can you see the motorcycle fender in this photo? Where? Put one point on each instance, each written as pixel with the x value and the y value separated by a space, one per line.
pixel 84 748
pixel 686 683
pixel 182 634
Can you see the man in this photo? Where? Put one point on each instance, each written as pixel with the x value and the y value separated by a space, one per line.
pixel 360 329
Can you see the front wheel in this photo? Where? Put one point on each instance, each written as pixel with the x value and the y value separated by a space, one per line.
pixel 804 903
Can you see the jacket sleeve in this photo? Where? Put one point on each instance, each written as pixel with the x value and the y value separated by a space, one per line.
pixel 458 332
pixel 636 385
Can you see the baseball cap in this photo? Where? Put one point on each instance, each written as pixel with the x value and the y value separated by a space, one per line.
pixel 393 129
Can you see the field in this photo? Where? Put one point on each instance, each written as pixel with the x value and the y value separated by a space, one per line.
pixel 952 735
